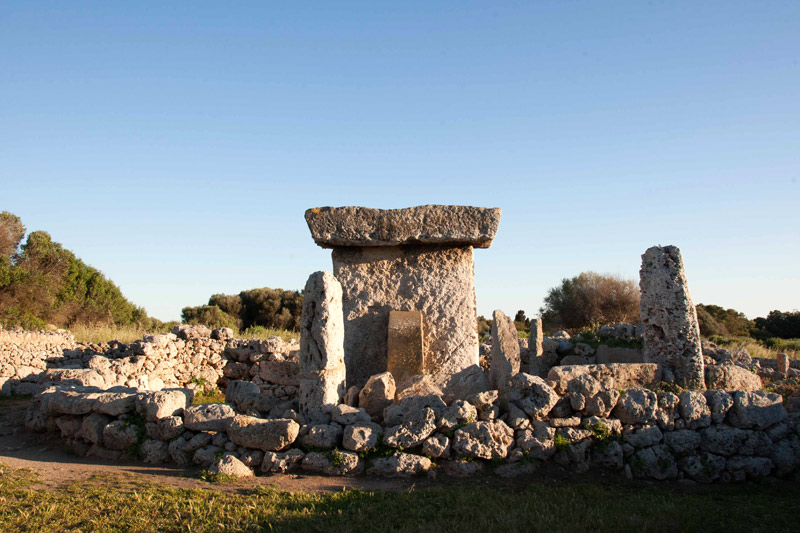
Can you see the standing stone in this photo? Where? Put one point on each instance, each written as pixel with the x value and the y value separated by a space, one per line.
pixel 322 370
pixel 415 259
pixel 405 344
pixel 535 349
pixel 671 331
pixel 505 351
pixel 783 363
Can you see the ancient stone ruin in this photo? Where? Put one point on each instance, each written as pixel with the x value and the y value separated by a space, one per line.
pixel 397 324
pixel 415 259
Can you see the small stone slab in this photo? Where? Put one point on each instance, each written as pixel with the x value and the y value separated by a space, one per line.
pixel 455 225
pixel 404 344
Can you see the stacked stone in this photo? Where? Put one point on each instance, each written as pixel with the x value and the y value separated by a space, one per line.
pixel 322 369
pixel 671 331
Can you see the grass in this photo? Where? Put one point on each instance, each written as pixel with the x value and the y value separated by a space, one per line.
pixel 117 503
pixel 212 396
pixel 97 333
pixel 767 349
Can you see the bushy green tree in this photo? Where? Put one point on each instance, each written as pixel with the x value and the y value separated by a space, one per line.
pixel 716 320
pixel 11 233
pixel 785 325
pixel 208 315
pixel 590 300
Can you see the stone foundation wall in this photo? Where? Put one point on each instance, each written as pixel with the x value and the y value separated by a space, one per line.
pixel 582 417
pixel 192 357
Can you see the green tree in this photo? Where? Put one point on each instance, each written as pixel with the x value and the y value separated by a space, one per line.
pixel 11 233
pixel 590 300
pixel 208 315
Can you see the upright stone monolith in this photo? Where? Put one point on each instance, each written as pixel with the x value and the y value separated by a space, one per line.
pixel 535 349
pixel 505 351
pixel 671 331
pixel 322 370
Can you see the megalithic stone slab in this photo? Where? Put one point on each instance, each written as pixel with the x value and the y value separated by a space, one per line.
pixel 454 225
pixel 535 349
pixel 437 281
pixel 404 344
pixel 505 351
pixel 322 370
pixel 671 331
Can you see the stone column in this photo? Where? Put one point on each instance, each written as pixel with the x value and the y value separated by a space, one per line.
pixel 671 331
pixel 535 349
pixel 505 351
pixel 415 259
pixel 322 369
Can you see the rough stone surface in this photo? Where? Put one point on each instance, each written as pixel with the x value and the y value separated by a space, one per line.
pixel 400 465
pixel 671 331
pixel 345 415
pixel 228 465
pixel 758 409
pixel 208 417
pixel 413 431
pixel 409 407
pixel 436 446
pixel 377 394
pixel 282 462
pixel 361 437
pixel 450 387
pixel 119 435
pixel 531 394
pixel 425 224
pixel 404 345
pixel 483 440
pixel 344 463
pixel 637 406
pixel 323 436
pixel 265 435
pixel 625 376
pixel 436 281
pixel 322 369
pixel 608 354
pixel 155 451
pixel 505 351
pixel 155 405
pixel 731 377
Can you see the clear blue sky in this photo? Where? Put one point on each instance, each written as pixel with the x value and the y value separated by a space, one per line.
pixel 176 145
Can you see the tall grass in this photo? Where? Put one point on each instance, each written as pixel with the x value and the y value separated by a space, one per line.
pixel 768 349
pixel 97 333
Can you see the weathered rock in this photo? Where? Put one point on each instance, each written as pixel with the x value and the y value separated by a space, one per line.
pixel 483 440
pixel 758 409
pixel 671 331
pixel 437 281
pixel 228 465
pixel 377 394
pixel 115 403
pixel 608 455
pixel 282 462
pixel 719 403
pixel 404 345
pixel 742 467
pixel 462 468
pixel 80 377
pixel 459 413
pixel 405 409
pixel 505 351
pixel 361 437
pixel 206 455
pixel 92 427
pixel 413 431
pixel 786 456
pixel 721 439
pixel 451 387
pixel 119 435
pixel 208 417
pixel 783 363
pixel 731 377
pixel 644 437
pixel 333 463
pixel 169 427
pixel 222 334
pixel 190 332
pixel 535 348
pixel 265 435
pixel 346 415
pixel 69 425
pixel 176 452
pixel 703 468
pixel 55 401
pixel 400 465
pixel 625 376
pixel 655 462
pixel 637 406
pixel 486 404
pixel 531 394
pixel 436 446
pixel 158 404
pixel 694 409
pixel 538 447
pixel 593 396
pixel 323 436
pixel 322 379
pixel 682 441
pixel 155 451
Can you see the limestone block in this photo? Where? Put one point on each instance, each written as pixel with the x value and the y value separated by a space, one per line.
pixel 505 351
pixel 671 331
pixel 625 376
pixel 425 224
pixel 404 344
pixel 608 354
pixel 377 394
pixel 265 435
pixel 229 465
pixel 322 370
pixel 436 281
pixel 400 465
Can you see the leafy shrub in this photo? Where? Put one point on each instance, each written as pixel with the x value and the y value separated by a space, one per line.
pixel 208 315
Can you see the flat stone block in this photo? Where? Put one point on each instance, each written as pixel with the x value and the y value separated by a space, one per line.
pixel 404 344
pixel 426 224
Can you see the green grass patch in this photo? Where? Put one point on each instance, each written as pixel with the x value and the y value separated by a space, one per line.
pixel 212 396
pixel 114 503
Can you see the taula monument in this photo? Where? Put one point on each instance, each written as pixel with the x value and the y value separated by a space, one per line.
pixel 406 272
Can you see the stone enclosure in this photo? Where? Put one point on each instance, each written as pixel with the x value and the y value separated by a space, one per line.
pixel 389 379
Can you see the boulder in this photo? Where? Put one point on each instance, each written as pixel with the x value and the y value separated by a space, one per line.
pixel 282 462
pixel 361 437
pixel 163 403
pixel 208 417
pixel 228 465
pixel 731 377
pixel 413 431
pixel 400 465
pixel 694 410
pixel 400 412
pixel 323 436
pixel 625 376
pixel 483 440
pixel 655 462
pixel 531 394
pixel 436 446
pixel 637 406
pixel 345 415
pixel 120 435
pixel 377 394
pixel 265 435
pixel 702 468
pixel 758 409
pixel 333 463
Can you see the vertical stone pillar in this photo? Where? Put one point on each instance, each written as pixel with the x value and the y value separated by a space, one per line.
pixel 322 370
pixel 671 331
pixel 535 349
pixel 505 351
pixel 404 344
